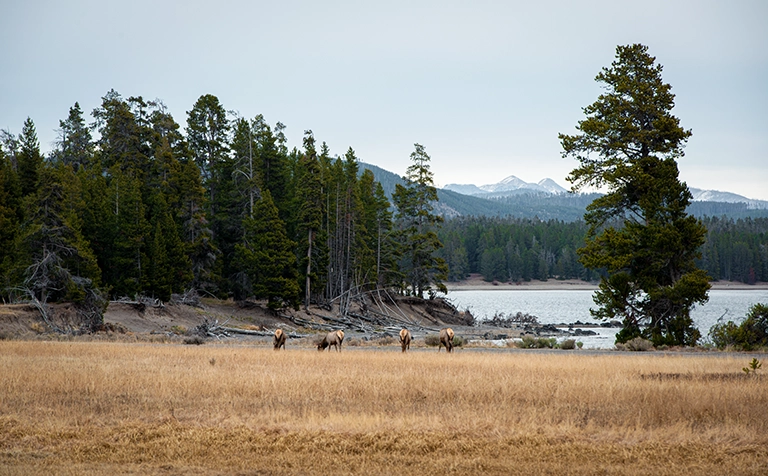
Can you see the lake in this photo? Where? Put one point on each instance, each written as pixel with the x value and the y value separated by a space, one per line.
pixel 569 306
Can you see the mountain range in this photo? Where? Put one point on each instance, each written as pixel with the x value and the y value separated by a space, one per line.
pixel 513 186
pixel 547 200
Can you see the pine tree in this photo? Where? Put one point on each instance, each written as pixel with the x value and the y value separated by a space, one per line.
pixel 310 199
pixel 417 224
pixel 29 159
pixel 8 218
pixel 124 142
pixel 639 230
pixel 74 146
pixel 273 165
pixel 267 256
pixel 208 137
pixel 129 235
pixel 53 260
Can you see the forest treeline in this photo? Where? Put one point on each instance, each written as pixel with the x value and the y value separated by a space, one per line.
pixel 131 204
pixel 513 249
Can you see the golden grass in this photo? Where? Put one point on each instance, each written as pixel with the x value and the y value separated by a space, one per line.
pixel 127 408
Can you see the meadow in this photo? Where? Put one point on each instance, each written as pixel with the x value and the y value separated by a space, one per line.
pixel 140 408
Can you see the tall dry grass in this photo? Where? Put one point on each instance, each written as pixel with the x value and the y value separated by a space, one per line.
pixel 95 408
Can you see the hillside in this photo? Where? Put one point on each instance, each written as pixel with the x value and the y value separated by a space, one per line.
pixel 526 203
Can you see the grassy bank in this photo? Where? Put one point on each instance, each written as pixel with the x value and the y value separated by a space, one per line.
pixel 99 408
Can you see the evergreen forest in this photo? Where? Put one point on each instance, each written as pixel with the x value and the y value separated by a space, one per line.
pixel 133 204
pixel 515 249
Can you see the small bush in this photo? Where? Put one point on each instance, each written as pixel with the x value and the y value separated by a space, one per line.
pixel 432 340
pixel 385 340
pixel 526 342
pixel 638 344
pixel 195 340
pixel 530 342
pixel 751 334
pixel 458 341
pixel 37 327
pixel 579 344
pixel 179 330
pixel 547 343
pixel 568 344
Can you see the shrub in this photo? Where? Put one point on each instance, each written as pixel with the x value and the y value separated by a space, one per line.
pixel 638 344
pixel 179 330
pixel 458 341
pixel 526 342
pixel 568 344
pixel 530 342
pixel 752 333
pixel 385 340
pixel 579 344
pixel 195 340
pixel 432 340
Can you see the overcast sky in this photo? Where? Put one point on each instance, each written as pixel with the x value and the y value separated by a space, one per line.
pixel 485 86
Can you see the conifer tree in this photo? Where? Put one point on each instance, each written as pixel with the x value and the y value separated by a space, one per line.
pixel 53 260
pixel 267 256
pixel 416 227
pixel 129 235
pixel 123 143
pixel 273 165
pixel 309 196
pixel 29 159
pixel 639 230
pixel 8 218
pixel 74 146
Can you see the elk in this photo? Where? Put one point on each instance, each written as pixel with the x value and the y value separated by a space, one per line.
pixel 446 339
pixel 279 340
pixel 405 339
pixel 334 338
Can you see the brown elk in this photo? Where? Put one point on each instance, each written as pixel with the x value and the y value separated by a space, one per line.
pixel 405 339
pixel 279 340
pixel 446 339
pixel 334 338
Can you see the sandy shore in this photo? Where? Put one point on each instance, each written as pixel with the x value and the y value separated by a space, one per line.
pixel 476 283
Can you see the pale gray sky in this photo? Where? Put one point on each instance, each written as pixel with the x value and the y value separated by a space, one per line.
pixel 485 86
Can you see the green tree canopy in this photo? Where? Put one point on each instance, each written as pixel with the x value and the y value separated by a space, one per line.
pixel 267 256
pixel 639 231
pixel 417 223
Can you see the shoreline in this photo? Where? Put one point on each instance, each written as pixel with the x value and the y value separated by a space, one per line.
pixel 475 283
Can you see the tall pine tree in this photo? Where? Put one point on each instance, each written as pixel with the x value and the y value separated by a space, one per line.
pixel 416 223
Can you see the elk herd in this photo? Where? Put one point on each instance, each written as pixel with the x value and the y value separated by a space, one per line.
pixel 335 338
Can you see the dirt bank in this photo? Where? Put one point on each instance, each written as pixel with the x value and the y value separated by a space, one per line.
pixel 475 282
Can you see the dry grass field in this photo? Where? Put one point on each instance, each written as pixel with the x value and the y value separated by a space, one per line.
pixel 128 408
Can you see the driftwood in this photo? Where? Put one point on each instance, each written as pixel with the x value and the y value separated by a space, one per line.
pixel 234 330
pixel 212 329
pixel 140 303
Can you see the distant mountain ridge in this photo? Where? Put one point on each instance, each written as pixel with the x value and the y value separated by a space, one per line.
pixel 700 195
pixel 544 201
pixel 509 186
pixel 513 186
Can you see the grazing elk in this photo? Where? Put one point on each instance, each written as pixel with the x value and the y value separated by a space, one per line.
pixel 446 339
pixel 279 340
pixel 334 338
pixel 405 339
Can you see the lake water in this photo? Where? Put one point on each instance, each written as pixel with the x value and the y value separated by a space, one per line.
pixel 564 306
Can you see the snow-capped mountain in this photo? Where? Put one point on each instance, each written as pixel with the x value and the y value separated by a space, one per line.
pixel 514 186
pixel 510 184
pixel 700 195
pixel 551 186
